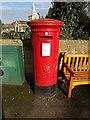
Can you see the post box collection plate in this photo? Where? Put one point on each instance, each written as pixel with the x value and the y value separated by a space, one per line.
pixel 46 49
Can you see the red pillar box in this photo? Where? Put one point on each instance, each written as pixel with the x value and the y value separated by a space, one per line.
pixel 45 34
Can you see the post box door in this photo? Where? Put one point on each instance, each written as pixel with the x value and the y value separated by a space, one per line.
pixel 45 57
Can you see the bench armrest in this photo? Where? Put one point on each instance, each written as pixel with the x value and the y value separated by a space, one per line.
pixel 70 71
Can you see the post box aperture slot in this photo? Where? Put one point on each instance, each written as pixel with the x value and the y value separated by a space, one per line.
pixel 45 38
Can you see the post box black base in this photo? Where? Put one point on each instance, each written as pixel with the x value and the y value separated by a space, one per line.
pixel 44 91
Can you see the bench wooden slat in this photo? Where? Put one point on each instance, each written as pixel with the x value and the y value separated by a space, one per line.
pixel 77 63
pixel 65 60
pixel 73 58
pixel 88 64
pixel 79 72
pixel 78 75
pixel 69 60
pixel 78 55
pixel 60 64
pixel 81 63
pixel 80 83
pixel 84 64
pixel 78 80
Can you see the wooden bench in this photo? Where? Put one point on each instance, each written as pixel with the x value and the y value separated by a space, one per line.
pixel 76 69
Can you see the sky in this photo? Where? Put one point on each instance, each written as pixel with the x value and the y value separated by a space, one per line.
pixel 12 11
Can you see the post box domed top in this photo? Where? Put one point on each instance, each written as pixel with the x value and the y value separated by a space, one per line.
pixel 45 22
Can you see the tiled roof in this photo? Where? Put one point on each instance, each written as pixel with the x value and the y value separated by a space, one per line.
pixel 21 21
pixel 7 25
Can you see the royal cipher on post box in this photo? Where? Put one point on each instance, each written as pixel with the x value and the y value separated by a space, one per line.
pixel 45 35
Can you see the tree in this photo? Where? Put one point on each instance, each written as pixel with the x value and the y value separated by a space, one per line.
pixel 42 17
pixel 39 15
pixel 71 13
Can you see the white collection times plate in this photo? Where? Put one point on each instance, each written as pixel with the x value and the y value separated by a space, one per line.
pixel 46 49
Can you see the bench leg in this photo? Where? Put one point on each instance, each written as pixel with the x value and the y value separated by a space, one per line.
pixel 69 93
pixel 70 87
